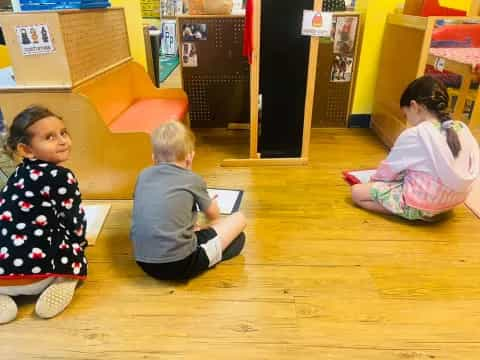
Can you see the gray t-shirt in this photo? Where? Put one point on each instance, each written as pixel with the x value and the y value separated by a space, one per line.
pixel 164 213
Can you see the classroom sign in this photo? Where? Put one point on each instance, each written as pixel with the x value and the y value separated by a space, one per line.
pixel 34 39
pixel 169 37
pixel 317 23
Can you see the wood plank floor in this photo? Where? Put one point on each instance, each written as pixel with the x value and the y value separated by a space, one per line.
pixel 319 278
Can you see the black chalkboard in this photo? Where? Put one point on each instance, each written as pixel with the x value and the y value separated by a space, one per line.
pixel 283 77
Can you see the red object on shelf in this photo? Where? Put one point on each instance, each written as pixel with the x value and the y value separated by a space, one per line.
pixel 248 32
pixel 458 33
pixel 433 8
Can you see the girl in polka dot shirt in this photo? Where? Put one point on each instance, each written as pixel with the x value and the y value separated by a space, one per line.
pixel 42 223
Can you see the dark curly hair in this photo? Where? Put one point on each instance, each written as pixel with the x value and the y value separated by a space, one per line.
pixel 18 131
pixel 432 94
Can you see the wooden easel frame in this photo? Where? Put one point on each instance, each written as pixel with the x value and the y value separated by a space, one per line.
pixel 254 157
pixel 148 54
pixel 474 8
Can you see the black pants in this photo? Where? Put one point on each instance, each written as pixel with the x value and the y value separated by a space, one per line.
pixel 185 269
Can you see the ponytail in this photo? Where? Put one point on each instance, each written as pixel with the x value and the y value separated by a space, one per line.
pixel 433 94
pixel 453 141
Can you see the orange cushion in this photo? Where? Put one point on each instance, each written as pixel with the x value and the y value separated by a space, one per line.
pixel 147 114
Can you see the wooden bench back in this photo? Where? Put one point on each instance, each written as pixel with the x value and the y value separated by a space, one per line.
pixel 112 92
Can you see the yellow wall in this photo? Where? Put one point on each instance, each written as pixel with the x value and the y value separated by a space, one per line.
pixel 133 15
pixel 4 57
pixel 456 4
pixel 375 15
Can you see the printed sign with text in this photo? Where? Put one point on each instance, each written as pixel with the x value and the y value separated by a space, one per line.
pixel 35 40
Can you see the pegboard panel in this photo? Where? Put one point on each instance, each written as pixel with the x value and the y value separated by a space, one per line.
pixel 218 87
pixel 337 110
pixel 94 40
pixel 216 100
pixel 332 99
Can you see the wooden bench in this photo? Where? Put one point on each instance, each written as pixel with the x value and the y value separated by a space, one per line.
pixel 110 118
pixel 128 102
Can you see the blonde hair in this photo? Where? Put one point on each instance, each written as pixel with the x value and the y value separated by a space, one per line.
pixel 172 142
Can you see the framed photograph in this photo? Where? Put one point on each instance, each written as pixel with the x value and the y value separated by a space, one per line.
pixel 345 32
pixel 189 55
pixel 342 69
pixel 194 32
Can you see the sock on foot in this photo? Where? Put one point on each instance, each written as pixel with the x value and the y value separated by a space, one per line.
pixel 235 247
pixel 55 298
pixel 8 309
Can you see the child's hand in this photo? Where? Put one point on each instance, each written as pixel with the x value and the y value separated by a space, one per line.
pixel 197 227
pixel 213 211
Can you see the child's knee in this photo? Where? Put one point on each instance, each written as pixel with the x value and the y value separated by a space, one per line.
pixel 241 218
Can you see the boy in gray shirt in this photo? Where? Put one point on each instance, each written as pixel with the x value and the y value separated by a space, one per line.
pixel 166 242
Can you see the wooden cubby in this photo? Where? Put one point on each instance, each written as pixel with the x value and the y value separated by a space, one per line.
pixel 86 43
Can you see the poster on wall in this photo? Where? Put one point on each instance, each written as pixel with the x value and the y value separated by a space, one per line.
pixel 341 69
pixel 171 7
pixel 345 31
pixel 193 32
pixel 169 38
pixel 150 8
pixel 189 55
pixel 34 39
pixel 317 23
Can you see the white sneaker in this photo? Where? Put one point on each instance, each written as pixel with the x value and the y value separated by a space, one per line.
pixel 8 309
pixel 55 298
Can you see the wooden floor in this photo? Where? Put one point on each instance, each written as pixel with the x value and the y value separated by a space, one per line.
pixel 174 80
pixel 319 278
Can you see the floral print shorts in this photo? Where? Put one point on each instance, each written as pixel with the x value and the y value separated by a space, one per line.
pixel 390 196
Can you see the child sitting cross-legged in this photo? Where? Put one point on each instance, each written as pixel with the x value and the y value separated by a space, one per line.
pixel 433 164
pixel 167 243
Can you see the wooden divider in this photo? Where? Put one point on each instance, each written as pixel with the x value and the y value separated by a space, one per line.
pixel 86 43
pixel 402 36
pixel 255 159
pixel 474 8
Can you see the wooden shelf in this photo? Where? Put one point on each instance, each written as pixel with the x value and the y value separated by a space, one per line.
pixel 410 21
pixel 210 16
pixel 471 94
pixel 452 66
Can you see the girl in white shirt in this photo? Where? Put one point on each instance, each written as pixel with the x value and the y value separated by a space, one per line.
pixel 432 165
